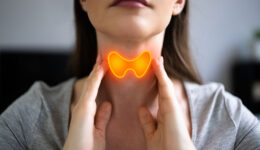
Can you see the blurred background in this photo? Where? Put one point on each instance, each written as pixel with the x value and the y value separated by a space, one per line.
pixel 37 38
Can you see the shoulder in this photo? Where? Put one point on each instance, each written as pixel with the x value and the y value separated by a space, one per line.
pixel 28 105
pixel 213 96
pixel 37 95
pixel 206 90
pixel 209 97
pixel 26 114
pixel 218 112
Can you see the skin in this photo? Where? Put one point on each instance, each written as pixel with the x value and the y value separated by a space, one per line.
pixel 150 113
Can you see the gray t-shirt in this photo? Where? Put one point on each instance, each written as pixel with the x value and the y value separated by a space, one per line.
pixel 39 118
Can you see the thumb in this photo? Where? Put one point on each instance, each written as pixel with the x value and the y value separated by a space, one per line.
pixel 147 122
pixel 103 116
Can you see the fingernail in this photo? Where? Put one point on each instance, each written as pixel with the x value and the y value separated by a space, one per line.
pixel 98 66
pixel 161 59
pixel 157 60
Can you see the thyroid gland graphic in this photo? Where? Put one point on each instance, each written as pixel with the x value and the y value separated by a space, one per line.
pixel 120 65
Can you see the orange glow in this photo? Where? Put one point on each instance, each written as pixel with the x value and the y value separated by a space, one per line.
pixel 120 65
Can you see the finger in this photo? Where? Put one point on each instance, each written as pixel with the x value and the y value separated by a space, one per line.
pixel 97 72
pixel 103 116
pixel 147 122
pixel 93 81
pixel 165 84
pixel 160 73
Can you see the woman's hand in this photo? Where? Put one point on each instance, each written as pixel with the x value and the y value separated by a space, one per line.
pixel 87 127
pixel 170 130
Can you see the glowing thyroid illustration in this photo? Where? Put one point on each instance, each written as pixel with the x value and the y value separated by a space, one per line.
pixel 120 65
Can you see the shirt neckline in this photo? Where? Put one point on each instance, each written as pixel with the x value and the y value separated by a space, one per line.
pixel 187 87
pixel 190 96
pixel 69 93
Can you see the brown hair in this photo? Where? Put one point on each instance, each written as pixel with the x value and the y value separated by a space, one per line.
pixel 176 53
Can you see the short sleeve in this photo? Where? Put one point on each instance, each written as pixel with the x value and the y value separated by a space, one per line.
pixel 9 139
pixel 18 121
pixel 248 126
pixel 251 140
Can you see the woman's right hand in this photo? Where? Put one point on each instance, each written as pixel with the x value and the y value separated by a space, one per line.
pixel 88 127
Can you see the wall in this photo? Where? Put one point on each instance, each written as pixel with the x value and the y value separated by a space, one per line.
pixel 221 30
pixel 35 23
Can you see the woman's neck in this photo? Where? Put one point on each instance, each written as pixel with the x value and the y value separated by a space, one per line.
pixel 129 93
pixel 129 48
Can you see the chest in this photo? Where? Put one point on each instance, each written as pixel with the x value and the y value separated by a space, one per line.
pixel 125 136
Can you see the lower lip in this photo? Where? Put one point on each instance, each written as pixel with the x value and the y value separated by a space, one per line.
pixel 131 4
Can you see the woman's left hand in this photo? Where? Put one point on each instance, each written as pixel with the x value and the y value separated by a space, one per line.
pixel 170 130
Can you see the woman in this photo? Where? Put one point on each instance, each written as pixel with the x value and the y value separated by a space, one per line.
pixel 166 109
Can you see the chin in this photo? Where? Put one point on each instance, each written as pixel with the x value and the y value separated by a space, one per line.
pixel 132 34
pixel 131 30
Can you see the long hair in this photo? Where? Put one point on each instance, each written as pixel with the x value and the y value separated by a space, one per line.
pixel 177 57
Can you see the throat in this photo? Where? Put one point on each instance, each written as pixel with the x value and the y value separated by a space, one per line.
pixel 127 95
